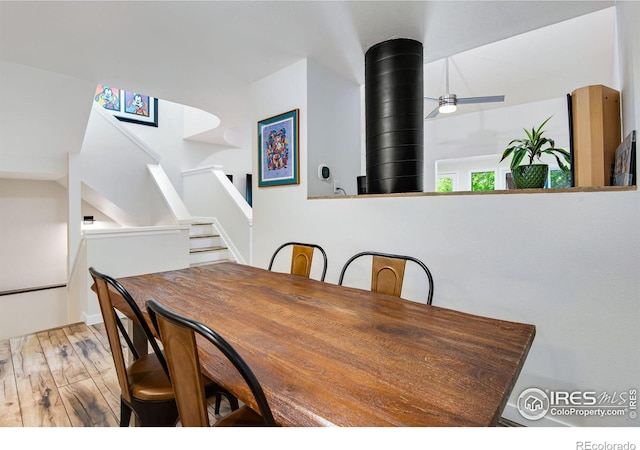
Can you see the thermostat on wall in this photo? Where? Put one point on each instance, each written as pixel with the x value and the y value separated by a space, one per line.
pixel 323 172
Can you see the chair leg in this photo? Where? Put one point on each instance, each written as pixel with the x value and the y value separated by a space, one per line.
pixel 125 413
pixel 214 389
pixel 233 402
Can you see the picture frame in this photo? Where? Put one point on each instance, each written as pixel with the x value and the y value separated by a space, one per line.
pixel 139 108
pixel 128 106
pixel 278 150
pixel 624 171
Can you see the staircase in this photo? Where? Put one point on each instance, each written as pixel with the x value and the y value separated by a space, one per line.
pixel 206 245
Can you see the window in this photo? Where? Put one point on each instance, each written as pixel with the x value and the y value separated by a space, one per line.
pixel 483 181
pixel 445 185
pixel 447 182
pixel 487 173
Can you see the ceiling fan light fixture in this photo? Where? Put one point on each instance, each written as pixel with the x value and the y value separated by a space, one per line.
pixel 447 104
pixel 447 108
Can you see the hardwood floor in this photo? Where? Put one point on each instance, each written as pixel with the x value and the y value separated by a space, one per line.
pixel 61 378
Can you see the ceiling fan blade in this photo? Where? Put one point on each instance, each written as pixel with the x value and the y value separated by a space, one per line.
pixel 490 99
pixel 432 99
pixel 433 113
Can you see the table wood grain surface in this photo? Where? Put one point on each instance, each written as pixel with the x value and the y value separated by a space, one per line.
pixel 329 355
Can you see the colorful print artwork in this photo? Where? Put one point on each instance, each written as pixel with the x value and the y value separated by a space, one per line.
pixel 277 150
pixel 136 103
pixel 108 98
pixel 128 106
pixel 278 153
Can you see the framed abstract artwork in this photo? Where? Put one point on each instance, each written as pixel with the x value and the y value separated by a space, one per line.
pixel 128 106
pixel 278 150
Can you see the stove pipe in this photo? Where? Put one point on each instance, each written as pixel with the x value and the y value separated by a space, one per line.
pixel 394 112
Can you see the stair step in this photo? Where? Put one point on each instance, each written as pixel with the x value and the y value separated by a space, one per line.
pixel 206 244
pixel 205 263
pixel 205 241
pixel 207 249
pixel 200 228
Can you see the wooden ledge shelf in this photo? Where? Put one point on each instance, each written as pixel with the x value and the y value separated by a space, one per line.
pixel 572 190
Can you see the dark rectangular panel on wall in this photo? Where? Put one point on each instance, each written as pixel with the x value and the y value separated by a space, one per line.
pixel 570 110
pixel 248 190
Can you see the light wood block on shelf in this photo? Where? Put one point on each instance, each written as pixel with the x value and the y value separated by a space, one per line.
pixel 596 134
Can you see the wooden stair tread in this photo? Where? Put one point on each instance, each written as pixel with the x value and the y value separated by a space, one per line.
pixel 198 236
pixel 207 249
pixel 217 261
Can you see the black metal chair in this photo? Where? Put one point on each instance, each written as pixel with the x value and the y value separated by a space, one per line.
pixel 301 258
pixel 145 386
pixel 178 334
pixel 387 272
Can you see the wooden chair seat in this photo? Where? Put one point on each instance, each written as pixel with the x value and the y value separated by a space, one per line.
pixel 148 380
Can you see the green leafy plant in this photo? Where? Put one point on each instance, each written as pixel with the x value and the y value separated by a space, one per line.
pixel 532 148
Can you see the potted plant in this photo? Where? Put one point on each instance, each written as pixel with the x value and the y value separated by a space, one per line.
pixel 530 175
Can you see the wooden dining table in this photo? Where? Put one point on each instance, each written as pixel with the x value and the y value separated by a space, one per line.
pixel 329 355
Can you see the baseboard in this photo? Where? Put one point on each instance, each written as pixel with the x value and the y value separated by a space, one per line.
pixel 92 319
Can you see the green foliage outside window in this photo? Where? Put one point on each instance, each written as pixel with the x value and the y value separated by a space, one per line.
pixel 445 185
pixel 483 181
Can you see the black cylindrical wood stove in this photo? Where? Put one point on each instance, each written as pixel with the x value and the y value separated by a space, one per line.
pixel 394 111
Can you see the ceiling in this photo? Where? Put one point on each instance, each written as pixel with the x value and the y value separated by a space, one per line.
pixel 206 54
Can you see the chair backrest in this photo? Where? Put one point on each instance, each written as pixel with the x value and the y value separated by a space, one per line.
pixel 113 324
pixel 178 338
pixel 387 272
pixel 301 258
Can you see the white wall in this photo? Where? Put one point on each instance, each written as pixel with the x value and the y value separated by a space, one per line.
pixel 115 167
pixel 627 16
pixel 130 252
pixel 334 108
pixel 275 206
pixel 33 217
pixel 56 104
pixel 235 161
pixel 567 263
pixel 177 154
pixel 33 240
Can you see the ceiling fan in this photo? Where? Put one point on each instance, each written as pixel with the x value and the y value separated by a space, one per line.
pixel 447 103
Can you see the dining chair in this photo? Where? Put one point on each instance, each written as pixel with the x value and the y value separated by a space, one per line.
pixel 178 334
pixel 301 258
pixel 145 386
pixel 387 272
